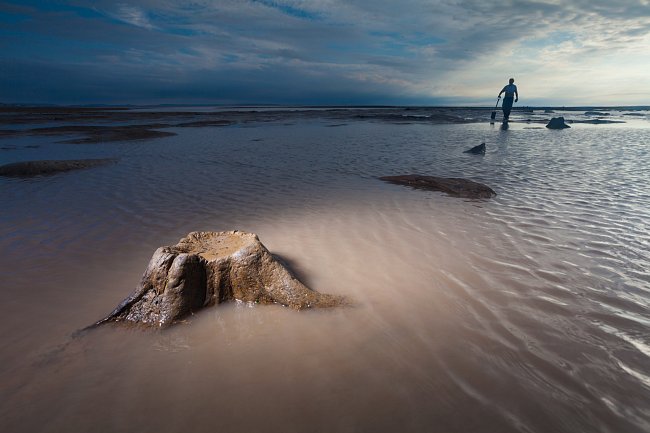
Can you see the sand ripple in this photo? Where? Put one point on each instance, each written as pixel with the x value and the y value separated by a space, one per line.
pixel 526 312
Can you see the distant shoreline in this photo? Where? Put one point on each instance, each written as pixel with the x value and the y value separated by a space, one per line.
pixel 10 107
pixel 85 125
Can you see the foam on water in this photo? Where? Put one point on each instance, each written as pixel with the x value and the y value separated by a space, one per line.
pixel 526 312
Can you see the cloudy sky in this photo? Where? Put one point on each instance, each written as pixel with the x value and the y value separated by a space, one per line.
pixel 429 52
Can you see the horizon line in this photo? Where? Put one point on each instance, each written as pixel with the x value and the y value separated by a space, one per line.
pixel 250 105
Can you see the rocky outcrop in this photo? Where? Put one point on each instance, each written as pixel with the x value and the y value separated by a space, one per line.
pixel 557 123
pixel 46 167
pixel 208 268
pixel 453 186
pixel 477 150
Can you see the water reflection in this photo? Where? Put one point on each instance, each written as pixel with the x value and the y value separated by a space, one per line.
pixel 527 312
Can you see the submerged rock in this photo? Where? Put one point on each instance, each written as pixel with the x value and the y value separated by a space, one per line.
pixel 599 121
pixel 46 167
pixel 477 150
pixel 453 186
pixel 557 123
pixel 201 123
pixel 104 133
pixel 207 268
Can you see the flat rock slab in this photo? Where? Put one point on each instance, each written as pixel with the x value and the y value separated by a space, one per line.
pixel 100 134
pixel 453 186
pixel 208 268
pixel 599 121
pixel 47 167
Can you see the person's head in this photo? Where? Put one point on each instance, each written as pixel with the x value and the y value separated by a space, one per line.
pixel 512 80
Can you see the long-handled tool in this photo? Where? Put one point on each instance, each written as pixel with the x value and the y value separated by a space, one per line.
pixel 494 113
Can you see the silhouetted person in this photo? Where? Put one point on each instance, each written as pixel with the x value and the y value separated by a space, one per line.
pixel 511 93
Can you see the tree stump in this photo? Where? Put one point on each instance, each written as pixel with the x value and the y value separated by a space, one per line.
pixel 207 268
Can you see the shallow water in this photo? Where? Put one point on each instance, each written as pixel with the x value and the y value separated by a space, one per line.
pixel 528 312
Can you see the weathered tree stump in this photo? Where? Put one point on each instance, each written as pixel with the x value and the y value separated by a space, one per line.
pixel 207 268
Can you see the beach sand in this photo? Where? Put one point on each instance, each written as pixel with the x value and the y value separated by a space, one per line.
pixel 527 311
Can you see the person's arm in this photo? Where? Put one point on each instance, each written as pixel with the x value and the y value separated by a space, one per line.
pixel 502 90
pixel 516 95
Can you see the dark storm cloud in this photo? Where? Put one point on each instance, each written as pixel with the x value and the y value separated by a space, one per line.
pixel 291 50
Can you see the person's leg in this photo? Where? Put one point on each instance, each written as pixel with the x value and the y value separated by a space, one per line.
pixel 507 106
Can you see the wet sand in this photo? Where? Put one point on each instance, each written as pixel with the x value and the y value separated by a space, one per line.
pixel 524 312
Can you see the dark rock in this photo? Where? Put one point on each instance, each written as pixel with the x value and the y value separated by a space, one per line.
pixel 557 123
pixel 100 134
pixel 46 167
pixel 599 121
pixel 97 134
pixel 202 123
pixel 207 268
pixel 477 150
pixel 453 186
